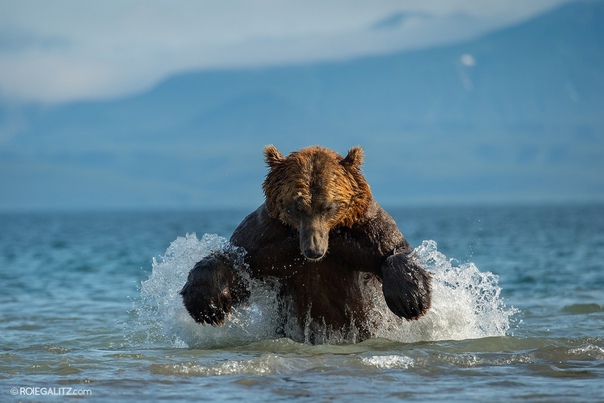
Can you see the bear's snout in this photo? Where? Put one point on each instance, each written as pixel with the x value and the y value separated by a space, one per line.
pixel 313 254
pixel 314 239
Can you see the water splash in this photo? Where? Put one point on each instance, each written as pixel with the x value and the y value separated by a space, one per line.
pixel 163 319
pixel 466 304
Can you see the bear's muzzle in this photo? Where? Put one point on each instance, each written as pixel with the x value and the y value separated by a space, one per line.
pixel 314 238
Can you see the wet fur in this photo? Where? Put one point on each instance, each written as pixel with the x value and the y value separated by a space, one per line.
pixel 330 245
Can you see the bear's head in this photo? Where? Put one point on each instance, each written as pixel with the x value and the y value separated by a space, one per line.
pixel 315 190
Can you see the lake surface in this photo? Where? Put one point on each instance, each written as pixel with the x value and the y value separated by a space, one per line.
pixel 90 308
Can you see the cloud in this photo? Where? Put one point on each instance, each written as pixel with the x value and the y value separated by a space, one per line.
pixel 71 49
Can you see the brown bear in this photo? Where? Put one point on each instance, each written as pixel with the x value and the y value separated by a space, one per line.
pixel 332 249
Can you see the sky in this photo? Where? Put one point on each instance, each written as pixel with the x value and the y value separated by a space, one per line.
pixel 66 50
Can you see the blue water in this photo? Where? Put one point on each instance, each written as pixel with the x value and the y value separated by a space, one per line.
pixel 89 307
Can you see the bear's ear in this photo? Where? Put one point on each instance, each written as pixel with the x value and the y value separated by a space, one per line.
pixel 354 158
pixel 272 156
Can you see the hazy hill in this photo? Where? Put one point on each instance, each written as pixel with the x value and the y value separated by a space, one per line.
pixel 514 114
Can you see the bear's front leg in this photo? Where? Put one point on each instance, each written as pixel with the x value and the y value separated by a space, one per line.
pixel 406 286
pixel 211 290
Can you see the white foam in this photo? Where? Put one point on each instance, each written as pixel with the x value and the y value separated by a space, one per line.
pixel 388 361
pixel 265 364
pixel 466 304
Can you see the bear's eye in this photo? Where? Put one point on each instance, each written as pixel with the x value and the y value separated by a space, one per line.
pixel 330 208
pixel 292 208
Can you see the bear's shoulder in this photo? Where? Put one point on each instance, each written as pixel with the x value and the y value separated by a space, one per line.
pixel 379 230
pixel 259 229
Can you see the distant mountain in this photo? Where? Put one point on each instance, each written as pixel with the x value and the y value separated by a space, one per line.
pixel 514 115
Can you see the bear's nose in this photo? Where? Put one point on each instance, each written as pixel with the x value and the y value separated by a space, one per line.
pixel 313 254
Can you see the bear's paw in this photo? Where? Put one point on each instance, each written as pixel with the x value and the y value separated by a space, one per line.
pixel 406 287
